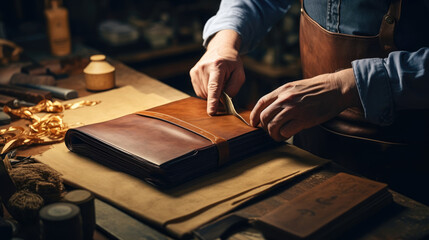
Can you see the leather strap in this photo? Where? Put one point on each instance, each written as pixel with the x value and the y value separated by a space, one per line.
pixel 221 143
pixel 387 27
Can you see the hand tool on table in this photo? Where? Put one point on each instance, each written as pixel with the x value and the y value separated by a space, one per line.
pixel 13 102
pixel 58 92
pixel 22 78
pixel 25 94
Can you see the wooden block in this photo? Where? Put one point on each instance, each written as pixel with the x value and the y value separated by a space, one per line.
pixel 325 210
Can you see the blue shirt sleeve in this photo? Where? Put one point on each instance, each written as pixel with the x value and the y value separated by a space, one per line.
pixel 398 82
pixel 251 19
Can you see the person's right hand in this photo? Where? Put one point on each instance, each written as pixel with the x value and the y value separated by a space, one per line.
pixel 220 68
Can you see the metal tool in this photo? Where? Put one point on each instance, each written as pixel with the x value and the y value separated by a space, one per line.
pixel 21 103
pixel 13 102
pixel 58 92
pixel 229 106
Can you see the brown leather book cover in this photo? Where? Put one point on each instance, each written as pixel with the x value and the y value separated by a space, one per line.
pixel 327 210
pixel 169 144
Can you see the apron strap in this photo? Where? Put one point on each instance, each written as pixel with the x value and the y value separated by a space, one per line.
pixel 387 28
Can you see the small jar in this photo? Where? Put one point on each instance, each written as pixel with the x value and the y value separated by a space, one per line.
pixel 99 74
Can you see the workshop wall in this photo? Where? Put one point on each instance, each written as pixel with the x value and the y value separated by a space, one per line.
pixel 161 38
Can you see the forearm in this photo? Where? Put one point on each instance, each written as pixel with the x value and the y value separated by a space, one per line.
pixel 225 39
pixel 251 19
pixel 398 82
pixel 219 69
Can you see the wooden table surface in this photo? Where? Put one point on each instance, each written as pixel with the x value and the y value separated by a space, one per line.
pixel 404 219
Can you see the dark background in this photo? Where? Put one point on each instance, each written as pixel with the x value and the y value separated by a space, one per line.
pixel 272 63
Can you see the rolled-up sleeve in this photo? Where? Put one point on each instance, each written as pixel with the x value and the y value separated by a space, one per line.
pixel 251 19
pixel 388 85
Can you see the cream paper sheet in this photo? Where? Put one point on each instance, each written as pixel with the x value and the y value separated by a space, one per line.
pixel 114 103
pixel 182 209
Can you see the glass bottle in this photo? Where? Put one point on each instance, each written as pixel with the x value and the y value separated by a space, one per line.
pixel 58 29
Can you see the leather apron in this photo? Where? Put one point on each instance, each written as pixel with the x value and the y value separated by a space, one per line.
pixel 348 138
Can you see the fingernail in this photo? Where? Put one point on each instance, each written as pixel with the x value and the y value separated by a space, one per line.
pixel 211 111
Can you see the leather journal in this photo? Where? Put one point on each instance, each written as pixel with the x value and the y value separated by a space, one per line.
pixel 169 144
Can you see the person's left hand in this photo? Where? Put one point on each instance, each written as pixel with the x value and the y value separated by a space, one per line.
pixel 305 103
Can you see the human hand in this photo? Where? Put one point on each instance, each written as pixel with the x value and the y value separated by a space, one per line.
pixel 303 104
pixel 220 68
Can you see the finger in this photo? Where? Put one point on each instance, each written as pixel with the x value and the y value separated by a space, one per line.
pixel 214 88
pixel 260 106
pixel 204 78
pixel 276 123
pixel 195 80
pixel 268 114
pixel 291 128
pixel 234 84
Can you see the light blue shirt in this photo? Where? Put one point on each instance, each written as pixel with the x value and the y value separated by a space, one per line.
pixel 385 85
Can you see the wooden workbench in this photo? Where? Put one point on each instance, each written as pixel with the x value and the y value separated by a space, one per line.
pixel 404 219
